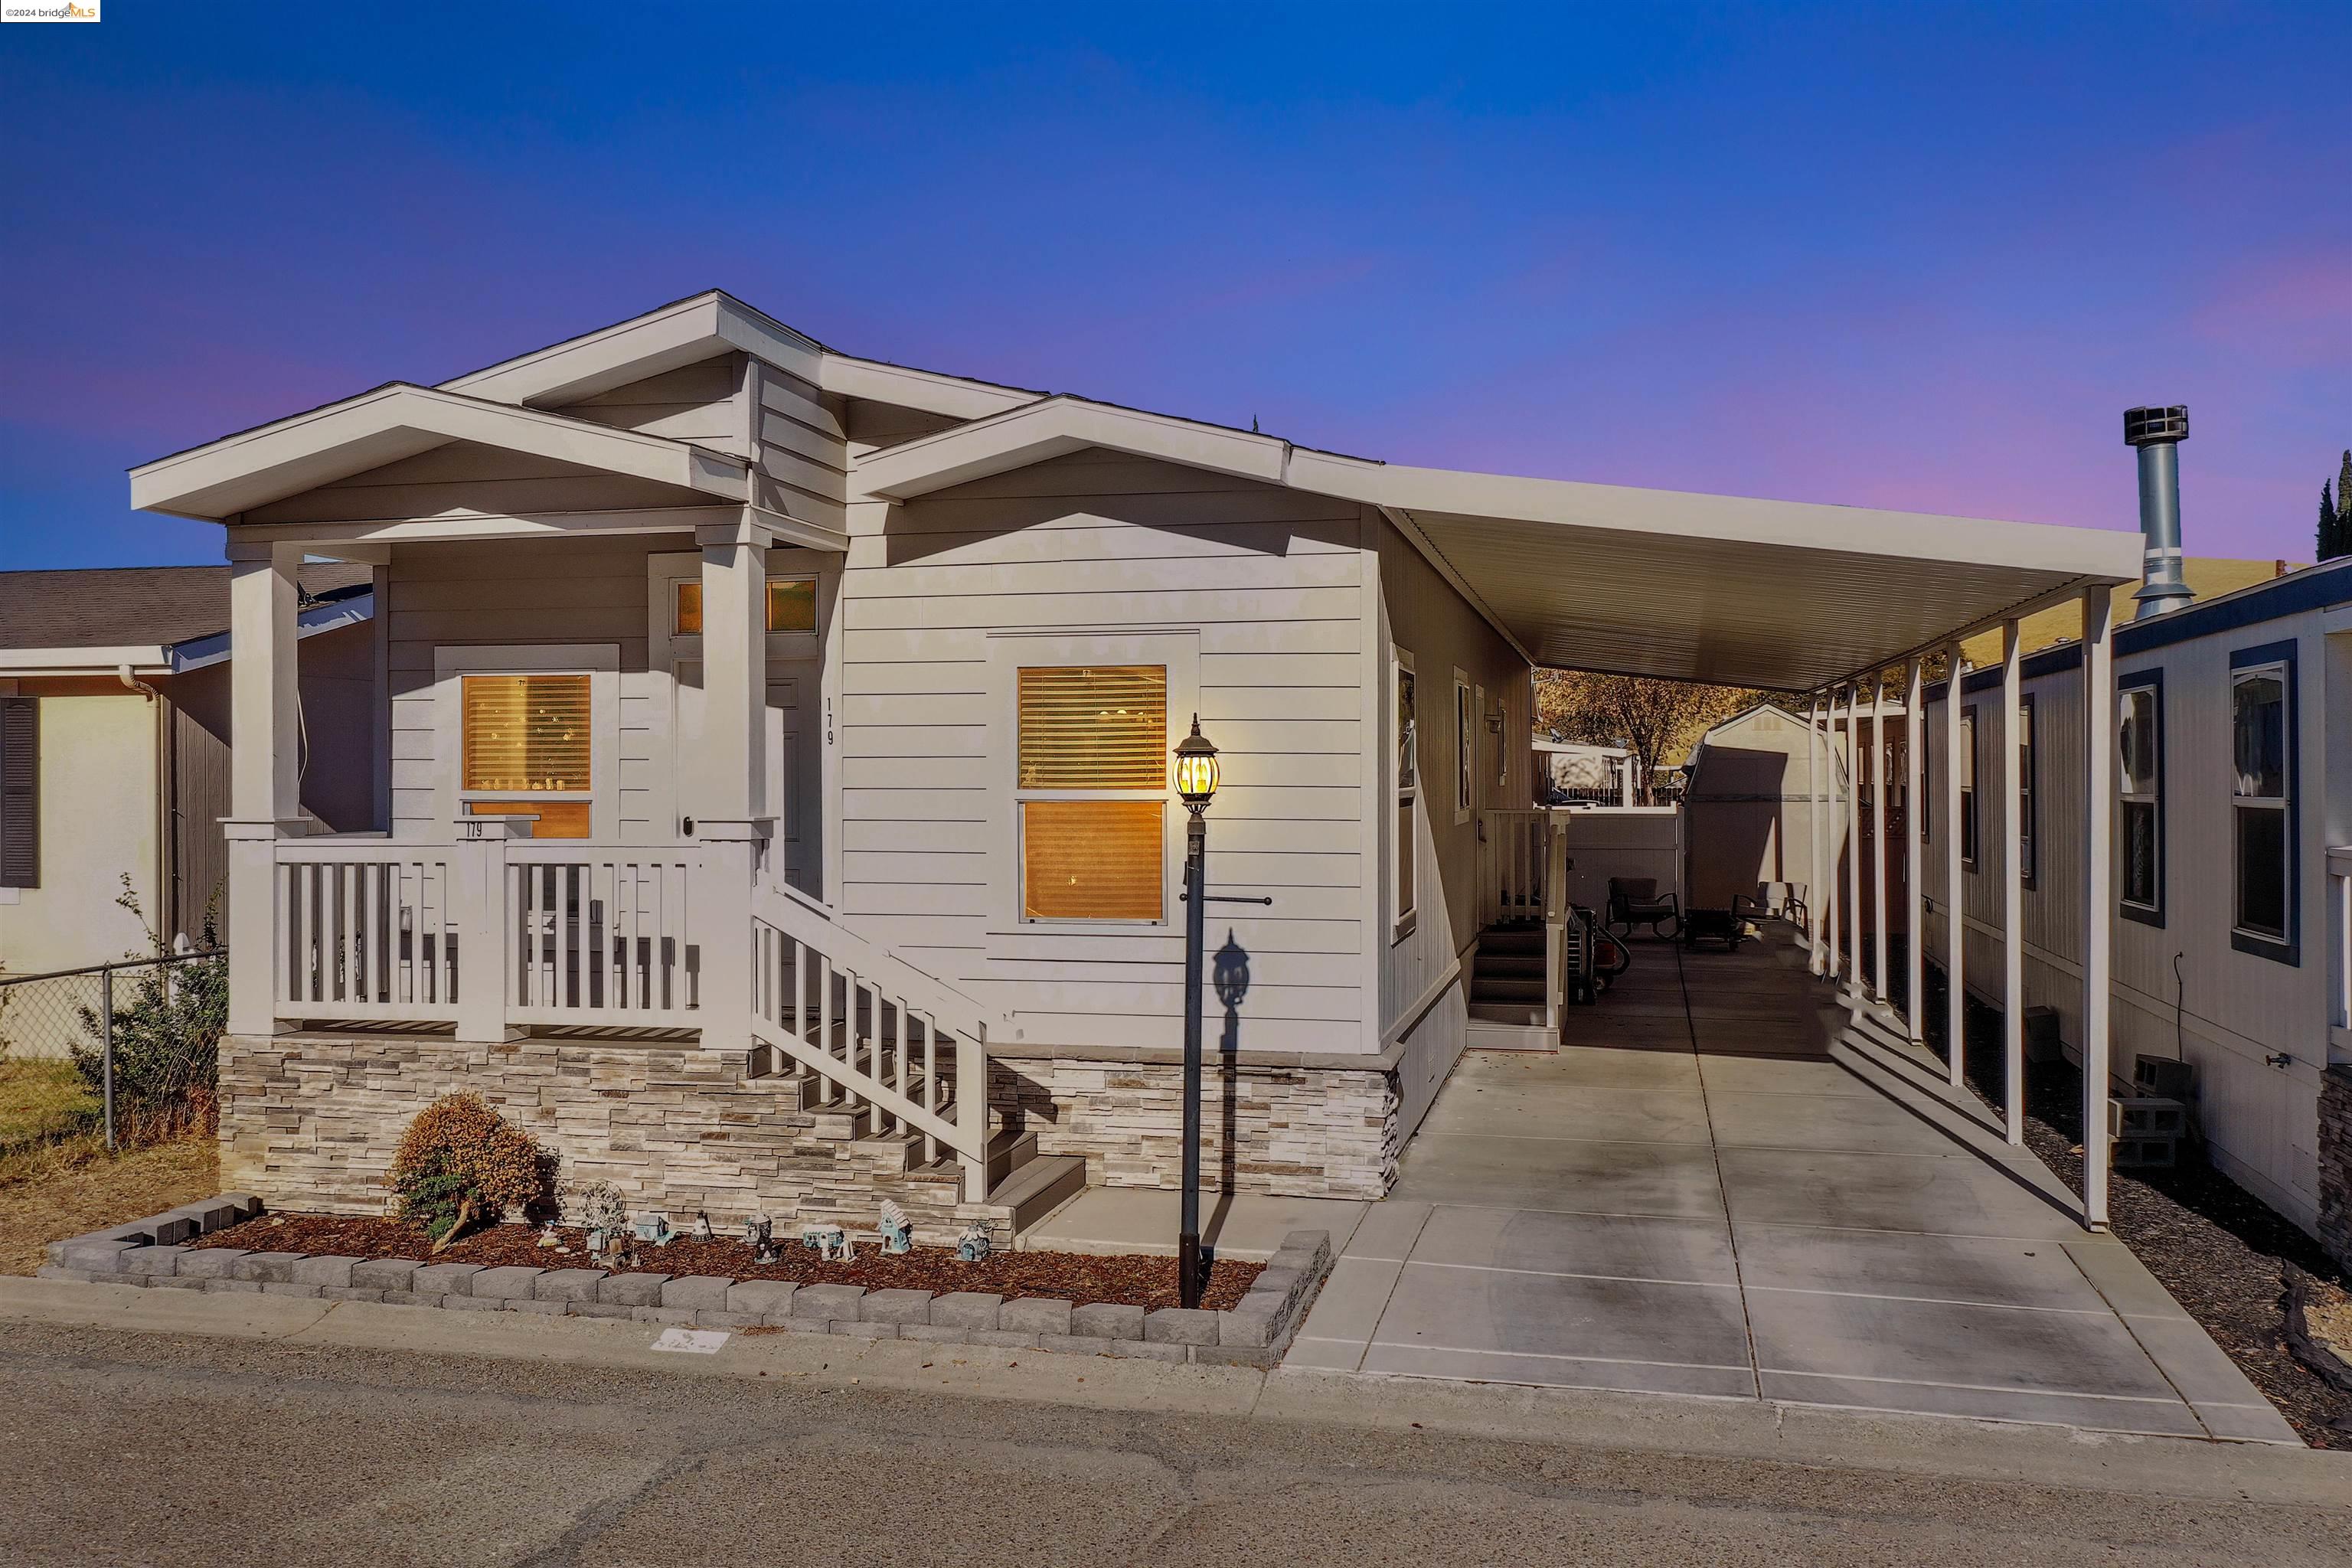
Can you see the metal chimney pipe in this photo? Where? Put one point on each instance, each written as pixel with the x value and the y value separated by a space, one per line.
pixel 2157 432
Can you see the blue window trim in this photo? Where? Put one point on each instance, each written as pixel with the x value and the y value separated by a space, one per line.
pixel 2289 951
pixel 2153 680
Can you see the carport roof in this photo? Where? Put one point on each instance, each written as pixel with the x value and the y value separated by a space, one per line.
pixel 1781 594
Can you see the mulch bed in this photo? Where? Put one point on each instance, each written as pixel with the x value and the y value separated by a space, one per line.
pixel 1083 1281
pixel 2225 1256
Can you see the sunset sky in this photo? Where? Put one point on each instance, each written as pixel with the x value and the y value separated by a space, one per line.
pixel 1889 255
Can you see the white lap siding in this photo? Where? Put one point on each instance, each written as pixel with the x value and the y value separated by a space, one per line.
pixel 1266 585
pixel 568 591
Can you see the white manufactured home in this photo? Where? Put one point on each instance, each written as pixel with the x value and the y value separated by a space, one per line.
pixel 778 814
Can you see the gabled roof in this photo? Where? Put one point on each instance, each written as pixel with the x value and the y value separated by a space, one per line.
pixel 286 457
pixel 154 619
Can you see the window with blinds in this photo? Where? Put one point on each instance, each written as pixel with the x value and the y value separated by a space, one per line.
pixel 1094 737
pixel 527 734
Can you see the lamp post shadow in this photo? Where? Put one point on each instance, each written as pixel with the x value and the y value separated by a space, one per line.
pixel 1231 977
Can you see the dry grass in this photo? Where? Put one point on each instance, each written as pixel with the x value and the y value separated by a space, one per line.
pixel 55 1177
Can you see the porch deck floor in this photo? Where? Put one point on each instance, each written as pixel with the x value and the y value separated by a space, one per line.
pixel 1723 1184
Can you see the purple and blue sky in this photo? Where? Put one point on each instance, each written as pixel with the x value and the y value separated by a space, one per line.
pixel 1906 256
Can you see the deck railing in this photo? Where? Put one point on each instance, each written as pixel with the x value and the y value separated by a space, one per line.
pixel 1523 879
pixel 496 933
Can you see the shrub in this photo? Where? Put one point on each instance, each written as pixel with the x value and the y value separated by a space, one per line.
pixel 461 1164
pixel 168 1020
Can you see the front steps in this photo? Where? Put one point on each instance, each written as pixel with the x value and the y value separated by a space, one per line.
pixel 1506 989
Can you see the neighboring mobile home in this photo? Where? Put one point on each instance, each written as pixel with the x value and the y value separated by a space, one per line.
pixel 2234 783
pixel 779 812
pixel 114 748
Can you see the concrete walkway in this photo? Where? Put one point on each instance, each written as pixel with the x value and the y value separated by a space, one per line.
pixel 1723 1186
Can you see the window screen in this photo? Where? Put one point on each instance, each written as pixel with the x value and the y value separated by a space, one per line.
pixel 527 734
pixel 1098 732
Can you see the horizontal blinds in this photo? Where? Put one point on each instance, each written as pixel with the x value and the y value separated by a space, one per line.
pixel 1091 859
pixel 792 603
pixel 526 732
pixel 1094 727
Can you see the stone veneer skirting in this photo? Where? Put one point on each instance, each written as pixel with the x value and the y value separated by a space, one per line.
pixel 2335 1163
pixel 309 1122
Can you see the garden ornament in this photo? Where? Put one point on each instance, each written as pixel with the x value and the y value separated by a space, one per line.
pixel 547 1236
pixel 702 1231
pixel 654 1226
pixel 829 1242
pixel 596 1244
pixel 973 1244
pixel 896 1230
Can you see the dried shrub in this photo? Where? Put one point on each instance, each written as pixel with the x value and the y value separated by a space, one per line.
pixel 461 1164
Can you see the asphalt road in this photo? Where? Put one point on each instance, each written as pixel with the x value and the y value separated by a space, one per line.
pixel 123 1447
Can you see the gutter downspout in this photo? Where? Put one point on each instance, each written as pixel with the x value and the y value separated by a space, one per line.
pixel 166 912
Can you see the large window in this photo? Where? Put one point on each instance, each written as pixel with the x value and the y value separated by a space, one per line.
pixel 2140 786
pixel 527 751
pixel 1092 790
pixel 2262 729
pixel 1407 790
pixel 1465 748
pixel 1969 788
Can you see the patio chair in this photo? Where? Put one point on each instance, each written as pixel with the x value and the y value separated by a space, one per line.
pixel 1636 901
pixel 1776 901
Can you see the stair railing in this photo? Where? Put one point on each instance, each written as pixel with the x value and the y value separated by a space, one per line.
pixel 879 1031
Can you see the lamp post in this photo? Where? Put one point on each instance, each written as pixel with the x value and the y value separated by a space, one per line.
pixel 1196 785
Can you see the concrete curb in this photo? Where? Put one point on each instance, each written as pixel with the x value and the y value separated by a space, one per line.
pixel 148 1254
pixel 1938 1447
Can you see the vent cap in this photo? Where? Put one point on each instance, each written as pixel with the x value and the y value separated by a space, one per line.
pixel 2147 426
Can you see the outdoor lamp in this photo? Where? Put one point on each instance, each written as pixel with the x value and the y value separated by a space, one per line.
pixel 1196 770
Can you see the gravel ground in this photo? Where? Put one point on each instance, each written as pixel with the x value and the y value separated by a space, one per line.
pixel 1148 1282
pixel 2225 1256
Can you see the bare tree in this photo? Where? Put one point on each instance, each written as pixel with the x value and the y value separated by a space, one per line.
pixel 1657 720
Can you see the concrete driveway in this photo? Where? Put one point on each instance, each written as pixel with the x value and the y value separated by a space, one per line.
pixel 1780 1204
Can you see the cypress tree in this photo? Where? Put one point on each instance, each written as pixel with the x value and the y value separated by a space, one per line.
pixel 2328 525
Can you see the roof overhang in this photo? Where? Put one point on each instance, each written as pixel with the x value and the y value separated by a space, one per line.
pixel 270 462
pixel 175 658
pixel 685 333
pixel 1053 428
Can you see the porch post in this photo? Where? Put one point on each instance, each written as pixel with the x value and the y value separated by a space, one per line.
pixel 1914 928
pixel 1832 879
pixel 264 774
pixel 1855 983
pixel 1879 988
pixel 1956 897
pixel 730 802
pixel 1816 894
pixel 2098 894
pixel 2012 884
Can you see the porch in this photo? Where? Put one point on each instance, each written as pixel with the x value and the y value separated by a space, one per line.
pixel 1736 1188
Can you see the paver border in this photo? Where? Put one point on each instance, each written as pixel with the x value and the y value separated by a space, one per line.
pixel 151 1253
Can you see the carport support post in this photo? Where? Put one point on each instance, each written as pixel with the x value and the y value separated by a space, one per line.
pixel 1955 893
pixel 1816 895
pixel 1878 985
pixel 1832 878
pixel 1853 841
pixel 2012 884
pixel 2098 894
pixel 1914 930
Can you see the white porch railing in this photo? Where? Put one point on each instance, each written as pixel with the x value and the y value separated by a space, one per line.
pixel 494 932
pixel 1523 879
pixel 902 1050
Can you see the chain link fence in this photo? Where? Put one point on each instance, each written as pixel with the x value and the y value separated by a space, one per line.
pixel 142 1035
